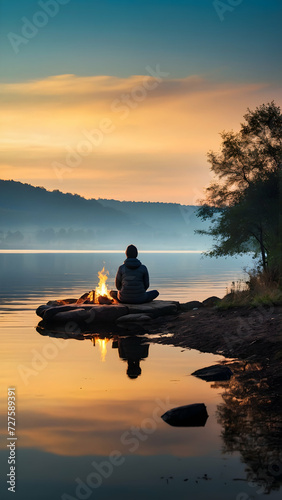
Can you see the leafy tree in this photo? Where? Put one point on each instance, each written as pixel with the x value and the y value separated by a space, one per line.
pixel 243 203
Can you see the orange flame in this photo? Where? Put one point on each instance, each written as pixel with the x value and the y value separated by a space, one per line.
pixel 102 289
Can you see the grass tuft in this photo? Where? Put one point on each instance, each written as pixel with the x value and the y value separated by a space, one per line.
pixel 261 289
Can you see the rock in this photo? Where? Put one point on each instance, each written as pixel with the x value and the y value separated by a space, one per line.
pixel 50 313
pixel 155 308
pixel 71 319
pixel 214 373
pixel 40 311
pixel 134 318
pixel 83 314
pixel 189 306
pixel 194 415
pixel 87 315
pixel 211 301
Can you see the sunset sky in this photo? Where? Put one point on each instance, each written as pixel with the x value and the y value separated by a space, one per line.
pixel 123 99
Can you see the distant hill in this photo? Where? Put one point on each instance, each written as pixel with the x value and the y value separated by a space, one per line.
pixel 29 206
pixel 158 215
pixel 32 217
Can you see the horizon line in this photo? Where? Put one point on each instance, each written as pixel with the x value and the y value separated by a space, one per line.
pixel 3 251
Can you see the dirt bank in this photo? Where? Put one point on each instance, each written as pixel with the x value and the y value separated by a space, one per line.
pixel 253 334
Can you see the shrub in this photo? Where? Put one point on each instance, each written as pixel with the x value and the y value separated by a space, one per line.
pixel 261 288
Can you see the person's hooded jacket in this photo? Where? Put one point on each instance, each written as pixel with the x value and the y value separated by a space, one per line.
pixel 132 281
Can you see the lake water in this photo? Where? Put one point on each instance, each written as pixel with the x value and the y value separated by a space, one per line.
pixel 84 428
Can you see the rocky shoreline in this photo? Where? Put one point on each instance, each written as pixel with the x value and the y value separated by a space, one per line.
pixel 253 335
pixel 238 332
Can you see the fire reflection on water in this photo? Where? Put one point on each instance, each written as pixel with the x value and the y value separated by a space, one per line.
pixel 103 347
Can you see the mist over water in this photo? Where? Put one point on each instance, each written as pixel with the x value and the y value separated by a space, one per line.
pixel 178 276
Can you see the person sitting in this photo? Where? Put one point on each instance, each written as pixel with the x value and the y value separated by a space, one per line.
pixel 132 280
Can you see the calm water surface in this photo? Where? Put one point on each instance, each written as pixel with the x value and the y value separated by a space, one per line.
pixel 85 428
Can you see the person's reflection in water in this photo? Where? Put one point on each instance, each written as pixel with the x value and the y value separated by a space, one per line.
pixel 133 350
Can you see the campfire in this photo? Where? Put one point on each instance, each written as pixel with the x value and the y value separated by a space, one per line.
pixel 101 294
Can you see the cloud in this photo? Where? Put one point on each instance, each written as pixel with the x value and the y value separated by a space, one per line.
pixel 142 127
pixel 102 424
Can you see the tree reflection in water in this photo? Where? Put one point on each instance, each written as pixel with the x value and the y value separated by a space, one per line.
pixel 251 420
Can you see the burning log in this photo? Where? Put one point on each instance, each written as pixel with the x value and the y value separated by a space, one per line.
pixel 85 299
pixel 104 300
pixel 91 297
pixel 100 295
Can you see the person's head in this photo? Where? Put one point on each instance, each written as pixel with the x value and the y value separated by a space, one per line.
pixel 133 369
pixel 131 252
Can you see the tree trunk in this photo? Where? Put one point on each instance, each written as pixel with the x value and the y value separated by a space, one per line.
pixel 263 250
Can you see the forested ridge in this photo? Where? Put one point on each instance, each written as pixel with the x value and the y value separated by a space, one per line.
pixel 33 217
